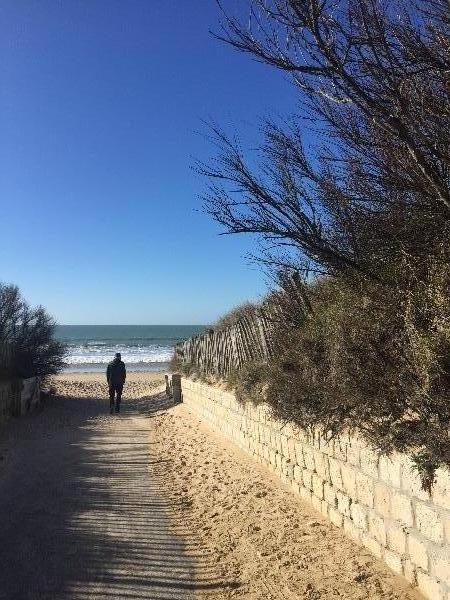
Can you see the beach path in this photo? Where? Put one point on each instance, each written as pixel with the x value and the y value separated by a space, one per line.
pixel 152 504
pixel 81 514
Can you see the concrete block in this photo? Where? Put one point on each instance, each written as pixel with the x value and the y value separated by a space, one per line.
pixel 343 503
pixel 359 515
pixel 287 468
pixel 418 552
pixel 329 493
pixel 298 474
pixel 401 509
pixel 317 486
pixel 364 489
pixel 369 463
pixel 429 586
pixel 277 442
pixel 390 470
pixel 284 445
pixel 335 517
pixel 441 566
pixel 382 499
pixel 265 433
pixel 295 487
pixel 308 457
pixel 273 457
pixel 396 539
pixel 348 480
pixel 371 545
pixel 446 523
pixel 307 479
pixel 377 528
pixel 353 454
pixel 409 572
pixel 321 464
pixel 334 467
pixel 305 494
pixel 315 439
pixel 429 523
pixel 291 450
pixel 299 454
pixel 351 530
pixel 393 561
pixel 441 489
pixel 324 509
pixel 316 502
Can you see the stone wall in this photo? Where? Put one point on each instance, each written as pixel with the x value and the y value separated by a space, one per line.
pixel 378 501
pixel 18 396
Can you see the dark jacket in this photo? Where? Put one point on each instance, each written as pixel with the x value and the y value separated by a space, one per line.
pixel 116 372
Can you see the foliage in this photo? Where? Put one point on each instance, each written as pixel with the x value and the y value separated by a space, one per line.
pixel 352 199
pixel 29 332
pixel 361 173
pixel 357 364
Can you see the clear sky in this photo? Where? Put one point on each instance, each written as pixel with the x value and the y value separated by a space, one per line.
pixel 101 105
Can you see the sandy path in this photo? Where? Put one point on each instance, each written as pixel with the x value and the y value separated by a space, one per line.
pixel 273 544
pixel 81 516
pixel 153 505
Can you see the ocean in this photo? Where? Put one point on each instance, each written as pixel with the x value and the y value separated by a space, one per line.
pixel 143 347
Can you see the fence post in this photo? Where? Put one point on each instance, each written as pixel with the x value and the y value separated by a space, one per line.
pixel 176 388
pixel 168 386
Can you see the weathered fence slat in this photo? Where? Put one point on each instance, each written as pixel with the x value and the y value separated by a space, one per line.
pixel 222 351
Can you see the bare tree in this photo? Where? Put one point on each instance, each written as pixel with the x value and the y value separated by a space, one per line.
pixel 373 79
pixel 356 186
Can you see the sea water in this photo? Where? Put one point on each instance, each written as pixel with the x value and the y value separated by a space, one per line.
pixel 143 347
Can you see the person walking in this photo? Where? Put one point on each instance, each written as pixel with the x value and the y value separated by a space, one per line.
pixel 116 374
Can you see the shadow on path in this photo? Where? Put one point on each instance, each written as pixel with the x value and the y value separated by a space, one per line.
pixel 81 517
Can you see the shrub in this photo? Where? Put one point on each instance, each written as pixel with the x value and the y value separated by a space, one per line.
pixel 363 362
pixel 29 333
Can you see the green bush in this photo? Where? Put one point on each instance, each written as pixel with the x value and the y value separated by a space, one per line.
pixel 370 360
pixel 29 332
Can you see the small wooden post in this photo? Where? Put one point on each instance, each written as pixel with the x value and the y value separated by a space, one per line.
pixel 168 386
pixel 176 388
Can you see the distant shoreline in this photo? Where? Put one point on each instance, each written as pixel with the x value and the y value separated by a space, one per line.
pixel 100 368
pixel 144 348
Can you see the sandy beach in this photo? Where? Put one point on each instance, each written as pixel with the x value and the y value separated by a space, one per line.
pixel 254 535
pixel 94 385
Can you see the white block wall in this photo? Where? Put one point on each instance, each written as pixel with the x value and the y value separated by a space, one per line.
pixel 376 500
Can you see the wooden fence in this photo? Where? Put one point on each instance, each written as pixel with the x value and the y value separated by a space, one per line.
pixel 19 397
pixel 223 351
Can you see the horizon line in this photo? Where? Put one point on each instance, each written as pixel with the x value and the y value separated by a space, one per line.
pixel 131 324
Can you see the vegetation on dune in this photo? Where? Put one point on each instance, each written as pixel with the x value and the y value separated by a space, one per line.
pixel 28 335
pixel 352 200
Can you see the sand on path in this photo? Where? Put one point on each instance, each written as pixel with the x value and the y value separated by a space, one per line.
pixel 152 504
pixel 82 517
pixel 275 546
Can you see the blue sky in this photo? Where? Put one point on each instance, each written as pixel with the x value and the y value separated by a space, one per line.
pixel 101 110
